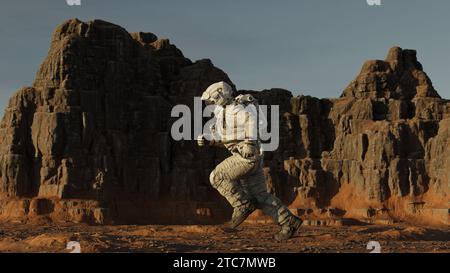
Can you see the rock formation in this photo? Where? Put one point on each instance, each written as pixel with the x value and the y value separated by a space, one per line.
pixel 90 141
pixel 379 151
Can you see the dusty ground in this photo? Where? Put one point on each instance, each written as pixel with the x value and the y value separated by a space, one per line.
pixel 15 237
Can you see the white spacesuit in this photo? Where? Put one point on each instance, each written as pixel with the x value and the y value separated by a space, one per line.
pixel 240 178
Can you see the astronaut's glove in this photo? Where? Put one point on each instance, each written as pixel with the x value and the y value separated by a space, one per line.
pixel 202 141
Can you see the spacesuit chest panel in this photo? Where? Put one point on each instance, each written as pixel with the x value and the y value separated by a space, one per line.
pixel 235 123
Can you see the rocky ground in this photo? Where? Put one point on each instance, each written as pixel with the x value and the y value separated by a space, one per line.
pixel 17 237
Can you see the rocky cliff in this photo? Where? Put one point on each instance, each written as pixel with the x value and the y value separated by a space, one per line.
pixel 90 141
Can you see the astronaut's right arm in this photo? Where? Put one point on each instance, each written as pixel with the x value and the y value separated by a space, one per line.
pixel 202 141
pixel 212 139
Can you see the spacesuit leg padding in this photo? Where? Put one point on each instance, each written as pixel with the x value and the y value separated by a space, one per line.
pixel 225 178
pixel 267 202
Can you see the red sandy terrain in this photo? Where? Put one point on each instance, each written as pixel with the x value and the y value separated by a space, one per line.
pixel 16 237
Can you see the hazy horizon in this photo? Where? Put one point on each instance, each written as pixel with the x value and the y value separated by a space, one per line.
pixel 308 47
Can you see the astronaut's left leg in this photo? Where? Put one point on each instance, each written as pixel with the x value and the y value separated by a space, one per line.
pixel 225 179
pixel 271 205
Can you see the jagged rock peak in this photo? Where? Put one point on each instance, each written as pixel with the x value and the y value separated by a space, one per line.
pixel 80 28
pixel 144 37
pixel 401 59
pixel 400 76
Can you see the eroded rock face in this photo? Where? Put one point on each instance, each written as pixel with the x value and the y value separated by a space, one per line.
pixel 382 146
pixel 90 140
pixel 95 125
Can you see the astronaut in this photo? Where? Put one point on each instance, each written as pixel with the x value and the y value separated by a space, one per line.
pixel 240 178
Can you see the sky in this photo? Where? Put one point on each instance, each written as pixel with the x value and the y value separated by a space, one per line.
pixel 311 47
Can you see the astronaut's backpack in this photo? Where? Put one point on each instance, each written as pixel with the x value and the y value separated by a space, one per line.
pixel 248 100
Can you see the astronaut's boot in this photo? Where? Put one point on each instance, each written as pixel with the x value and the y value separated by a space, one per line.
pixel 289 228
pixel 240 213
